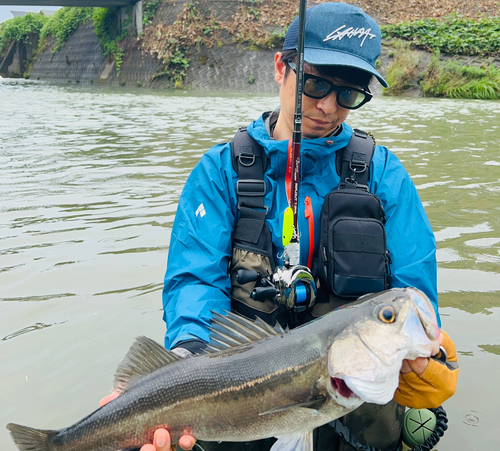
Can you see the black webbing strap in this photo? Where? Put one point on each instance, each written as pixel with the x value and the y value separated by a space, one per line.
pixel 353 162
pixel 249 161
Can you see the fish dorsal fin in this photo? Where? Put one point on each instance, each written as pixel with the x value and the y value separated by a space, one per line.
pixel 233 330
pixel 144 357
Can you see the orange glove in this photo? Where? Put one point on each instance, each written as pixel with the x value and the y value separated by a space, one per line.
pixel 427 383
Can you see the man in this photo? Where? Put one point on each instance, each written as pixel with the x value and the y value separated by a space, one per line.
pixel 342 44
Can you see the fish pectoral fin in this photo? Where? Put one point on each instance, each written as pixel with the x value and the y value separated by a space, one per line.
pixel 314 404
pixel 144 357
pixel 302 441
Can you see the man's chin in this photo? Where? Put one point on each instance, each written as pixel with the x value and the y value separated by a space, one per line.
pixel 315 135
pixel 318 132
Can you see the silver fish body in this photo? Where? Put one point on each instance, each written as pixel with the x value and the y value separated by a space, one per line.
pixel 259 382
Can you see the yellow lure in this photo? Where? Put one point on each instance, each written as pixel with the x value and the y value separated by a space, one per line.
pixel 287 226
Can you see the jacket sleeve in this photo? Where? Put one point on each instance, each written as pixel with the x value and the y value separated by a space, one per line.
pixel 410 238
pixel 196 280
pixel 434 386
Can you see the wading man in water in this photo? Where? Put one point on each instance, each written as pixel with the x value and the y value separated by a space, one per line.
pixel 223 226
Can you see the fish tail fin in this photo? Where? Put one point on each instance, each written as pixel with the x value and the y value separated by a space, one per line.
pixel 29 439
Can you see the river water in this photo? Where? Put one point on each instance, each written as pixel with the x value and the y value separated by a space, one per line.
pixel 90 179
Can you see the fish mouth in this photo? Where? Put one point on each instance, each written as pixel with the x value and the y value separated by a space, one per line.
pixel 425 312
pixel 341 388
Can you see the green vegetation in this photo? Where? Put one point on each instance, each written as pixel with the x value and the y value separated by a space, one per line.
pixel 149 9
pixel 61 25
pixel 402 71
pixel 455 34
pixel 170 44
pixel 21 29
pixel 461 82
pixel 107 30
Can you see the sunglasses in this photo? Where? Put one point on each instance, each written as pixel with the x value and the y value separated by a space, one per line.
pixel 317 88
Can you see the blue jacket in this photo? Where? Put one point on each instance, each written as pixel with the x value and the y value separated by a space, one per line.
pixel 197 280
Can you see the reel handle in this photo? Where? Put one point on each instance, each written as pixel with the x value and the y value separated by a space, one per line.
pixel 262 293
pixel 244 276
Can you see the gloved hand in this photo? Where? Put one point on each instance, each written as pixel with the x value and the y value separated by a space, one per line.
pixel 161 440
pixel 426 383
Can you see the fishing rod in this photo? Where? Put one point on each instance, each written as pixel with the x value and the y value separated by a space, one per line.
pixel 292 285
pixel 293 249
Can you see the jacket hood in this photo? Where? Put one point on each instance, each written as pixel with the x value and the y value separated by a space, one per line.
pixel 312 151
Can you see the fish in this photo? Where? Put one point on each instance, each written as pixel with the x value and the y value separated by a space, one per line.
pixel 256 381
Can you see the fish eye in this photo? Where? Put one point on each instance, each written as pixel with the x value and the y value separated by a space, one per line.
pixel 387 314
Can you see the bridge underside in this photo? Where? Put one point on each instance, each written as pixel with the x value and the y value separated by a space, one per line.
pixel 87 3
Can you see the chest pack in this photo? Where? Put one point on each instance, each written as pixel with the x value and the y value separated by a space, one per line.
pixel 352 260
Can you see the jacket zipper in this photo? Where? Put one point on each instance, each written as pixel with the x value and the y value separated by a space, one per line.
pixel 308 212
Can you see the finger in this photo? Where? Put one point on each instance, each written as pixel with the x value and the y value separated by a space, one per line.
pixel 419 365
pixel 162 440
pixel 108 398
pixel 187 442
pixel 148 447
pixel 405 367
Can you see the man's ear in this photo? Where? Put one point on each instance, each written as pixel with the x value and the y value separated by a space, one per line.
pixel 279 68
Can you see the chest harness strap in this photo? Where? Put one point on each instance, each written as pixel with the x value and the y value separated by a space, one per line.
pixel 249 161
pixel 353 161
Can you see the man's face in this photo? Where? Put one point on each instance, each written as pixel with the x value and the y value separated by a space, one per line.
pixel 320 117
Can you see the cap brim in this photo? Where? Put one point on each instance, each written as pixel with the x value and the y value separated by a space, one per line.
pixel 322 57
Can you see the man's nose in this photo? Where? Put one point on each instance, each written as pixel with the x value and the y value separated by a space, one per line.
pixel 329 103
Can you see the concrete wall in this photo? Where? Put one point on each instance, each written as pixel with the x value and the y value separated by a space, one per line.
pixel 17 57
pixel 79 61
pixel 228 68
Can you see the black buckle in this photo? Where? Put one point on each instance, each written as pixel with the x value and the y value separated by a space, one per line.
pixel 355 164
pixel 258 185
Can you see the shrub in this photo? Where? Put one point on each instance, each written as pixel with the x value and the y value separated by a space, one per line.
pixel 402 71
pixel 21 29
pixel 455 34
pixel 465 82
pixel 107 31
pixel 61 25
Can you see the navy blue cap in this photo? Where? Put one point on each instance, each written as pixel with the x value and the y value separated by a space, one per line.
pixel 338 34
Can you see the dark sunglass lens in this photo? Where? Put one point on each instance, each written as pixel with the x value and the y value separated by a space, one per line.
pixel 317 88
pixel 350 99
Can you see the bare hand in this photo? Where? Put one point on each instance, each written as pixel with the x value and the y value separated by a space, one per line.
pixel 161 440
pixel 419 365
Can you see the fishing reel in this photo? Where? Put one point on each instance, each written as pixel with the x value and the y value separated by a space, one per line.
pixel 292 286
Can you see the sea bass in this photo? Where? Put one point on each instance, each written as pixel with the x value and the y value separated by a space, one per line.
pixel 256 381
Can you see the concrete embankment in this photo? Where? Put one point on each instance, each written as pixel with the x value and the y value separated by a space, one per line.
pixel 223 66
pixel 230 67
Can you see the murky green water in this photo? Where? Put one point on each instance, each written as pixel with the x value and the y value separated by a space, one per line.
pixel 89 181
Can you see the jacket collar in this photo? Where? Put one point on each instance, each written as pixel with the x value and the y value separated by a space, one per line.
pixel 312 151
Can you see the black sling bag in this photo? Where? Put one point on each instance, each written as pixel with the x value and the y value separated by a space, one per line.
pixel 353 258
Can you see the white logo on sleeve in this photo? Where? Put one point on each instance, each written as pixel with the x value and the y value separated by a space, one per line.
pixel 350 32
pixel 200 211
